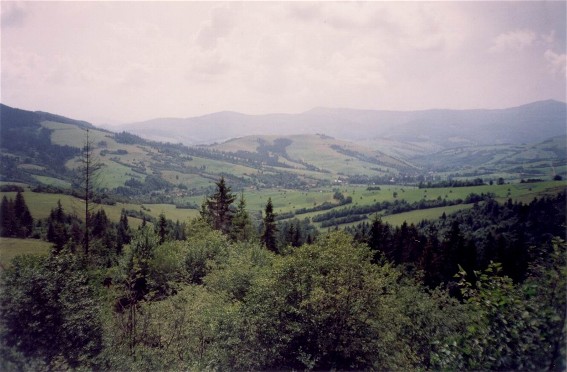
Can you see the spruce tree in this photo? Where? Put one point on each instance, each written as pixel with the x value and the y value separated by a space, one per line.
pixel 241 223
pixel 22 216
pixel 123 231
pixel 162 229
pixel 269 232
pixel 218 207
pixel 7 226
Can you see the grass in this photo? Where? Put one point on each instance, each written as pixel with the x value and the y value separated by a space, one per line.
pixel 424 214
pixel 41 204
pixel 53 181
pixel 11 247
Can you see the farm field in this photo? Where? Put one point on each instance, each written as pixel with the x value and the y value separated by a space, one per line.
pixel 41 204
pixel 288 201
pixel 12 247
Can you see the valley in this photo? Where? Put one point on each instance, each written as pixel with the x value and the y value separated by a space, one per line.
pixel 230 241
pixel 297 171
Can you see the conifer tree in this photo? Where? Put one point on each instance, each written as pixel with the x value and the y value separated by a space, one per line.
pixel 7 227
pixel 269 232
pixel 23 218
pixel 241 223
pixel 218 207
pixel 162 229
pixel 123 231
pixel 90 166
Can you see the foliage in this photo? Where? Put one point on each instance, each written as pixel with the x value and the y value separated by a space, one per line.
pixel 49 312
pixel 15 217
pixel 512 327
pixel 218 207
pixel 269 228
pixel 242 229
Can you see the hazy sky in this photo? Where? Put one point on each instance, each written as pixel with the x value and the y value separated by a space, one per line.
pixel 130 61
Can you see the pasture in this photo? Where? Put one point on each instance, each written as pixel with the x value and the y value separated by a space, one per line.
pixel 12 247
pixel 286 200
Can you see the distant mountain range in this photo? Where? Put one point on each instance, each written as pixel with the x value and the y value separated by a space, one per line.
pixel 530 123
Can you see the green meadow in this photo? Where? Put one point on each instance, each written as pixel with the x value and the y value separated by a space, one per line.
pixel 12 247
pixel 41 204
pixel 285 200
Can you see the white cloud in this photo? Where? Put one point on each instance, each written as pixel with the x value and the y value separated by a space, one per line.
pixel 513 41
pixel 557 62
pixel 218 26
pixel 13 14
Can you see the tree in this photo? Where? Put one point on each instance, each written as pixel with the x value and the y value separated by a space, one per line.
pixel 326 306
pixel 56 228
pixel 7 217
pixel 49 312
pixel 88 171
pixel 217 207
pixel 241 223
pixel 23 218
pixel 123 231
pixel 162 229
pixel 15 217
pixel 268 237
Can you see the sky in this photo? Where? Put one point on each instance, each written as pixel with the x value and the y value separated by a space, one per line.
pixel 120 62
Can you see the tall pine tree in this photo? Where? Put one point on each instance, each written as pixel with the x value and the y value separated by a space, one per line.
pixel 241 223
pixel 218 207
pixel 24 220
pixel 269 232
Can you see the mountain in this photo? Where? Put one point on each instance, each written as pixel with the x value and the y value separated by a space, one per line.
pixel 26 143
pixel 39 149
pixel 432 129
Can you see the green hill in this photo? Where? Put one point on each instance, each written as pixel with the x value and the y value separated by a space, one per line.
pixel 319 153
pixel 43 151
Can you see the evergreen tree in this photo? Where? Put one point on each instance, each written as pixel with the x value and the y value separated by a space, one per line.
pixel 269 231
pixel 123 231
pixel 241 223
pixel 218 207
pixel 22 216
pixel 379 238
pixel 90 166
pixel 162 229
pixel 56 229
pixel 100 224
pixel 7 227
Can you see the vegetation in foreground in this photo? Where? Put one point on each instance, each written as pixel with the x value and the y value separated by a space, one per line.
pixel 222 295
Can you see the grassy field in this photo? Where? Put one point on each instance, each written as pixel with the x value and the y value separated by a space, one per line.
pixel 11 247
pixel 285 201
pixel 425 214
pixel 41 204
pixel 318 151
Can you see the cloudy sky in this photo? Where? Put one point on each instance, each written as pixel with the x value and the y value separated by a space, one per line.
pixel 114 62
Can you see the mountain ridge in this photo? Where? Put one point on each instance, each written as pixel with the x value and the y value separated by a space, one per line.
pixel 479 126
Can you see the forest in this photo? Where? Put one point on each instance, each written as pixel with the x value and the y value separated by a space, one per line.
pixel 481 289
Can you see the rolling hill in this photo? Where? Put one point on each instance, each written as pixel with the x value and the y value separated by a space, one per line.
pixel 530 123
pixel 42 149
